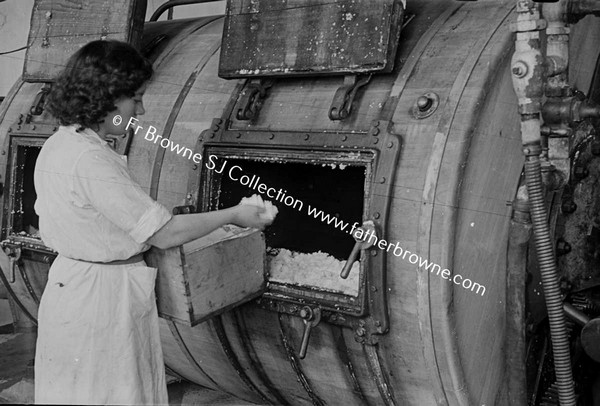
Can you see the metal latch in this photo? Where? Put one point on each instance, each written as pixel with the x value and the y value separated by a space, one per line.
pixel 362 235
pixel 311 318
pixel 344 96
pixel 37 108
pixel 251 99
pixel 13 252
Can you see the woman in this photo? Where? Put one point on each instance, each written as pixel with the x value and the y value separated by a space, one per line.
pixel 98 339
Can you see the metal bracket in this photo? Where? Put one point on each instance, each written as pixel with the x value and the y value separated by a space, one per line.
pixel 341 105
pixel 251 99
pixel 37 108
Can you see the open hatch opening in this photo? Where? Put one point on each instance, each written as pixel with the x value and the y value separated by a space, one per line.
pixel 309 241
pixel 23 221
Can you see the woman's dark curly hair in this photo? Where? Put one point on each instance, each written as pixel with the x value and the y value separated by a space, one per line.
pixel 95 77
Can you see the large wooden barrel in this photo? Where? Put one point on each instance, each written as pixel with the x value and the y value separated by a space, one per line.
pixel 437 180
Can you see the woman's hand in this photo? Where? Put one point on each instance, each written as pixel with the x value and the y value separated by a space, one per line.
pixel 249 215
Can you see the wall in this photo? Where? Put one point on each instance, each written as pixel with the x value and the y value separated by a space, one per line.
pixel 15 16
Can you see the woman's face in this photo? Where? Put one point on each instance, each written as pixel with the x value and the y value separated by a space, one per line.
pixel 127 107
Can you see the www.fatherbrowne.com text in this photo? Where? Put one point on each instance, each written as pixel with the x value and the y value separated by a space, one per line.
pixel 236 174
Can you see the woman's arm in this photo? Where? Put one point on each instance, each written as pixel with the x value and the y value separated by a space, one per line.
pixel 184 228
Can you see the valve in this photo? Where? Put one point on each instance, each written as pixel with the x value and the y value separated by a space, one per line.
pixel 361 234
pixel 311 318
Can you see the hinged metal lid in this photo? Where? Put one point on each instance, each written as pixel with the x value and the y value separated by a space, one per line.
pixel 294 37
pixel 61 27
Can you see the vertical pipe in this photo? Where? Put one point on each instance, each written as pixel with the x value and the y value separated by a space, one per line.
pixel 518 242
pixel 557 49
pixel 527 69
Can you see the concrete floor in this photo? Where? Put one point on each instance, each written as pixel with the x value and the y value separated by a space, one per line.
pixel 16 375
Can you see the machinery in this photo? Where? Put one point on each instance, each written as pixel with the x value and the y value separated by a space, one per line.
pixel 464 133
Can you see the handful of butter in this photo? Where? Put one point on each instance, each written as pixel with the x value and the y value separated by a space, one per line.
pixel 269 210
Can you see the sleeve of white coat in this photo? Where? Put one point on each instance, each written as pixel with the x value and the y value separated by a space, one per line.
pixel 104 183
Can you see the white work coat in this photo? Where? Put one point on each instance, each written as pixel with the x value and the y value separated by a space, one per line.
pixel 98 338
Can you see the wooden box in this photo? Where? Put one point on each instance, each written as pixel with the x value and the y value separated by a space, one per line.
pixel 297 37
pixel 210 275
pixel 61 27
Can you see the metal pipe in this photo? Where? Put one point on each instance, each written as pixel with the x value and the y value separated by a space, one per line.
pixel 557 49
pixel 516 275
pixel 527 69
pixel 174 3
pixel 578 317
pixel 15 298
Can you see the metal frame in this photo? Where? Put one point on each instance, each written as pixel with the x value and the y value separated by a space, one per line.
pixel 383 144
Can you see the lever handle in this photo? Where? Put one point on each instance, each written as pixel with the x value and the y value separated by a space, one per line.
pixel 311 317
pixel 13 261
pixel 367 229
pixel 351 259
pixel 13 252
pixel 305 337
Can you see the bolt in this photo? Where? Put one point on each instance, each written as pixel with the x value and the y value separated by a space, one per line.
pixel 568 206
pixel 424 103
pixel 345 138
pixel 376 215
pixel 520 69
pixel 195 167
pixel 580 172
pixel 562 247
pixel 306 313
pixel 375 123
pixel 271 136
pixel 239 135
pixel 33 127
pixel 382 180
pixel 9 129
pixel 375 132
pixel 306 137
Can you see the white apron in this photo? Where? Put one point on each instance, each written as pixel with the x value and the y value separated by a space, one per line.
pixel 98 338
